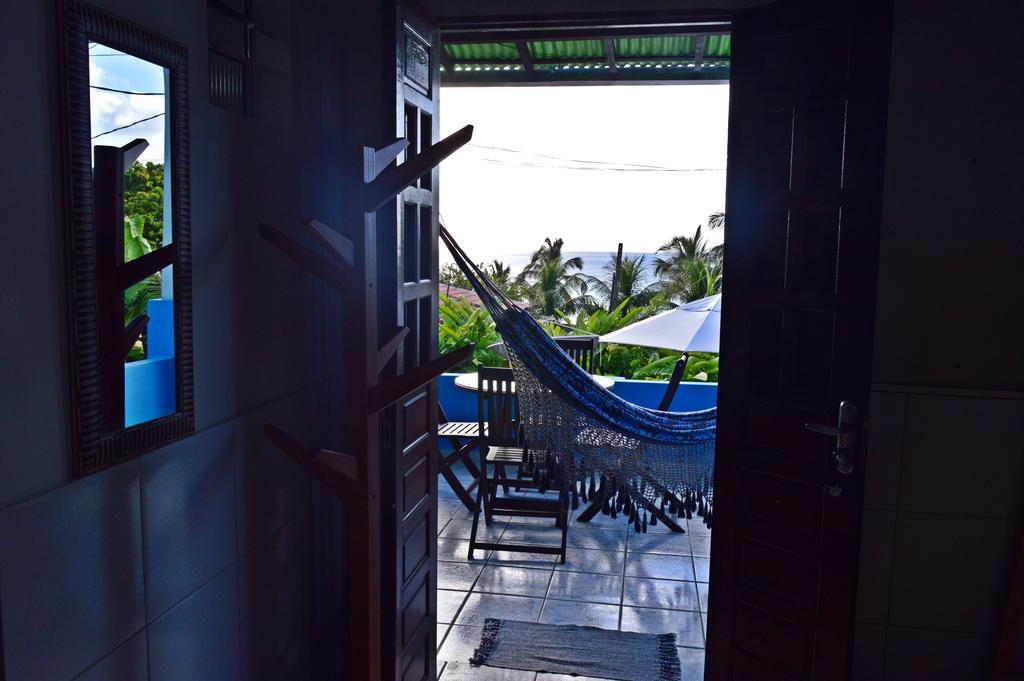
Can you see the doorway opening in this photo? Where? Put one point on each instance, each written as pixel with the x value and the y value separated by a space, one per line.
pixel 593 193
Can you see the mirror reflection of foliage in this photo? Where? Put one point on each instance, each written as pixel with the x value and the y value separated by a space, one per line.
pixel 137 296
pixel 461 324
pixel 144 196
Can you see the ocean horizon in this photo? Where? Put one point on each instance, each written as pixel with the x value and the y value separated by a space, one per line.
pixel 593 261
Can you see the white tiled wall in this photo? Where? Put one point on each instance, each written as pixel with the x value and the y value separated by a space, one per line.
pixel 942 523
pixel 191 562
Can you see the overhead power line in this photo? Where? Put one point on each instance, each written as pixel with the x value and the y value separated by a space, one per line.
pixel 125 92
pixel 608 169
pixel 584 164
pixel 141 120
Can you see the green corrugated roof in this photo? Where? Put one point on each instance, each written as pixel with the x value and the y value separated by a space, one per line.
pixel 718 46
pixel 672 57
pixel 483 51
pixel 565 49
pixel 663 46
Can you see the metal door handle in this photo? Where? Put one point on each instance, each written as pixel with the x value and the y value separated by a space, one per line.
pixel 825 429
pixel 845 433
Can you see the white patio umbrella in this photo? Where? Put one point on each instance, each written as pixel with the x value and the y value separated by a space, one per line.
pixel 692 327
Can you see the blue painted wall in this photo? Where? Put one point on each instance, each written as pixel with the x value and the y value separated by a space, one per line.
pixel 149 383
pixel 460 405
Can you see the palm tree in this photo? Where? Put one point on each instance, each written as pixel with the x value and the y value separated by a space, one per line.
pixel 500 274
pixel 690 269
pixel 554 282
pixel 633 285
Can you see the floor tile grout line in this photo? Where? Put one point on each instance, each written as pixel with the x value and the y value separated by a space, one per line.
pixel 622 592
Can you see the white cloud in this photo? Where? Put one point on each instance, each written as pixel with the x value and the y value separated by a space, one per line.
pixel 495 206
pixel 111 110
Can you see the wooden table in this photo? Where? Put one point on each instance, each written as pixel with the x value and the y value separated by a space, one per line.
pixel 471 382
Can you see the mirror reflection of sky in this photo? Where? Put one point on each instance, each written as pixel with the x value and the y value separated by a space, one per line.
pixel 110 68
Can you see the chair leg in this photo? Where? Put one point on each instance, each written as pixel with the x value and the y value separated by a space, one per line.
pixel 499 469
pixel 481 501
pixel 466 456
pixel 661 515
pixel 490 491
pixel 594 508
pixel 563 519
pixel 453 481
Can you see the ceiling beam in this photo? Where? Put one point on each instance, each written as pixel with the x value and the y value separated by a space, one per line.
pixel 682 59
pixel 586 33
pixel 609 52
pixel 698 53
pixel 446 59
pixel 524 55
pixel 586 77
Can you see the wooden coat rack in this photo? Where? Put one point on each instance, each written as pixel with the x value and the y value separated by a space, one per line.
pixel 348 264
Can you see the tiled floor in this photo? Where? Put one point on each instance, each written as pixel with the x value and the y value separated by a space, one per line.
pixel 613 578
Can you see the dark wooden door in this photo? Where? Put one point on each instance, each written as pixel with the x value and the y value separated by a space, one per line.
pixel 806 135
pixel 413 516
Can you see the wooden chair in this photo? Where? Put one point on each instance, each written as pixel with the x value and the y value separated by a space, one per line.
pixel 464 437
pixel 502 447
pixel 673 382
pixel 582 349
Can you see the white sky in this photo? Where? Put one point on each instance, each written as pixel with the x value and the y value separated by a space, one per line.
pixel 495 207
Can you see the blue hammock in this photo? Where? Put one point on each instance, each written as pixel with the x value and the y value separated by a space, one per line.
pixel 590 433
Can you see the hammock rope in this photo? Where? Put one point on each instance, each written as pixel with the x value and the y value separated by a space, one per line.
pixel 580 435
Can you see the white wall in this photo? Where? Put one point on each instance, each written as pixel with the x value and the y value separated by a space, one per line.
pixel 946 448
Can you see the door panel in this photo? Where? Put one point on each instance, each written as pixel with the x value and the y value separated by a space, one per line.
pixel 414 513
pixel 806 134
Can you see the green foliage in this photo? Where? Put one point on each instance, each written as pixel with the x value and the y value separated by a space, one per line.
pixel 554 282
pixel 633 284
pixel 462 325
pixel 703 366
pixel 143 229
pixel 138 295
pixel 144 197
pixel 451 275
pixel 688 269
pixel 632 361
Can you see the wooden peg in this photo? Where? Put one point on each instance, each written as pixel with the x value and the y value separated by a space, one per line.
pixel 396 178
pixel 334 469
pixel 332 240
pixel 376 160
pixel 398 387
pixel 138 269
pixel 132 331
pixel 391 347
pixel 318 265
pixel 130 152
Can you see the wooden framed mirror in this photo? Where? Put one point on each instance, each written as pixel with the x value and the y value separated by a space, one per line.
pixel 130 286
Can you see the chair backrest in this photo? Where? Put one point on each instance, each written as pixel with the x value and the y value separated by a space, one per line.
pixel 497 408
pixel 673 383
pixel 581 348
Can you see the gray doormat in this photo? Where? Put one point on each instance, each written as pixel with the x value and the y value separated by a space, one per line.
pixel 583 651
